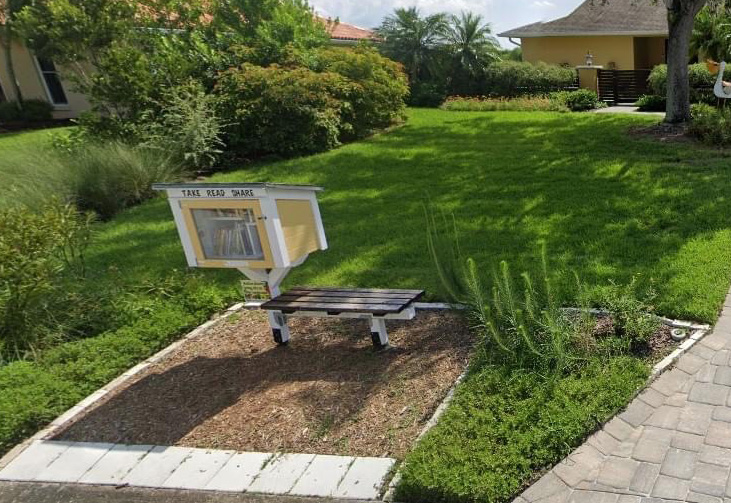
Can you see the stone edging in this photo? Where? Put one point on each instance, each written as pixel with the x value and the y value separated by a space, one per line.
pixel 92 399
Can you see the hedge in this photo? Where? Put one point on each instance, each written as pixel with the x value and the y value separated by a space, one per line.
pixel 513 78
pixel 342 95
pixel 701 82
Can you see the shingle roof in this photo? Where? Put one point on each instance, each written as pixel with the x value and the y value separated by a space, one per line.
pixel 596 17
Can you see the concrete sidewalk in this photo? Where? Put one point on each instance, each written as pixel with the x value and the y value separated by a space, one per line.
pixel 626 109
pixel 673 442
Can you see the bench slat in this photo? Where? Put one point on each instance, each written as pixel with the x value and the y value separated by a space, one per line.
pixel 326 293
pixel 358 290
pixel 332 307
pixel 287 297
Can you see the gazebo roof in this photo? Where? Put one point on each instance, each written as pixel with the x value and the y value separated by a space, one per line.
pixel 598 17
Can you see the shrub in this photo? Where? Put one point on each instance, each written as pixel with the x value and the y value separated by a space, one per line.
pixel 630 310
pixel 282 111
pixel 425 94
pixel 513 78
pixel 186 127
pixel 36 249
pixel 517 104
pixel 109 177
pixel 9 111
pixel 31 111
pixel 710 125
pixel 651 103
pixel 579 100
pixel 379 90
pixel 36 111
pixel 701 82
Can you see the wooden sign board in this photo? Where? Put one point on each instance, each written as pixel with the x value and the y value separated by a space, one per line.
pixel 254 290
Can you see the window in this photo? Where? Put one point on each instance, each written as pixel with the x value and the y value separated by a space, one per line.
pixel 229 234
pixel 52 81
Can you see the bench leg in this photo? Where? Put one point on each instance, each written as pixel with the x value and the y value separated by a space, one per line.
pixel 379 335
pixel 280 330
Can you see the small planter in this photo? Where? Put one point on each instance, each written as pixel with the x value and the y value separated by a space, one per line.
pixel 678 334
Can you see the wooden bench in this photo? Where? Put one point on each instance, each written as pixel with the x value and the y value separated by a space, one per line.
pixel 375 305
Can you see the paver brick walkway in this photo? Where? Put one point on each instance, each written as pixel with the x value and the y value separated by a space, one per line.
pixel 673 442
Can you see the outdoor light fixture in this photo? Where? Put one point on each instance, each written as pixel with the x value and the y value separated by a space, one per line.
pixel 589 59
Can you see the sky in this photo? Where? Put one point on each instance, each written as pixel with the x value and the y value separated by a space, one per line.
pixel 501 14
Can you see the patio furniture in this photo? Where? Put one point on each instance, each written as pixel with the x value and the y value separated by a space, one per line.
pixel 375 305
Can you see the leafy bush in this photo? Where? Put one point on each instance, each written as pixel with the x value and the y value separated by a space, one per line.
pixel 518 104
pixel 31 111
pixel 505 425
pixel 513 78
pixel 282 111
pixel 291 111
pixel 651 103
pixel 631 312
pixel 36 249
pixel 9 111
pixel 378 91
pixel 36 111
pixel 701 82
pixel 186 127
pixel 577 101
pixel 425 94
pixel 710 125
pixel 109 177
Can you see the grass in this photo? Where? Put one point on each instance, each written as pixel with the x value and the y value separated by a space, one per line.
pixel 504 426
pixel 17 179
pixel 609 206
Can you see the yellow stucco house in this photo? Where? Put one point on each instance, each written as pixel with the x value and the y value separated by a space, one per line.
pixel 40 79
pixel 620 35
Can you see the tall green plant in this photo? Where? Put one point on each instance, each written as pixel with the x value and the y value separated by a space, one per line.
pixel 36 249
pixel 186 127
pixel 521 322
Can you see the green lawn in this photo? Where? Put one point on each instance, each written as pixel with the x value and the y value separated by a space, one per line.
pixel 608 204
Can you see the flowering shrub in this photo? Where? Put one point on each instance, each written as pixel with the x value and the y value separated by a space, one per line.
pixel 519 104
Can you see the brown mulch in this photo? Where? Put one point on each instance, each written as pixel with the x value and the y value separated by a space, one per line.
pixel 664 132
pixel 328 392
pixel 658 347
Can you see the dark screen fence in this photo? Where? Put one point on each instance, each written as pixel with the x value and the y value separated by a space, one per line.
pixel 622 87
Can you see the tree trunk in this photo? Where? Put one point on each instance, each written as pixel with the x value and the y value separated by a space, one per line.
pixel 6 42
pixel 681 17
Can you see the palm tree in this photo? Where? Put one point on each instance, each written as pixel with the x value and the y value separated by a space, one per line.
pixel 711 32
pixel 414 41
pixel 471 43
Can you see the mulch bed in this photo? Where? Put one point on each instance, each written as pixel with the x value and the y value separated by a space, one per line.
pixel 328 392
pixel 664 132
